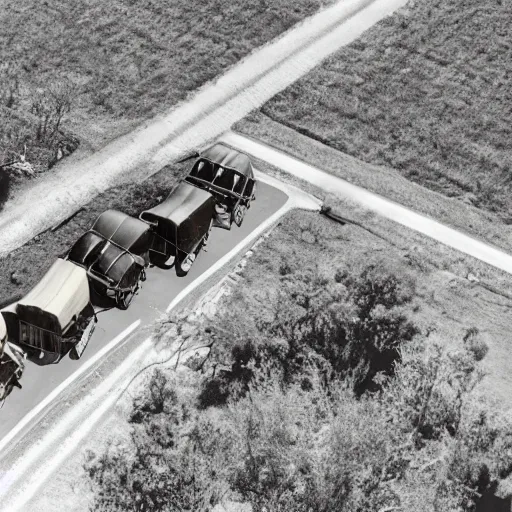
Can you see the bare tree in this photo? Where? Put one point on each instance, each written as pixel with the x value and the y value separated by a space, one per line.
pixel 50 106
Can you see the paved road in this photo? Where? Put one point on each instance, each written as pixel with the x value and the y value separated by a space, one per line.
pixel 371 201
pixel 157 292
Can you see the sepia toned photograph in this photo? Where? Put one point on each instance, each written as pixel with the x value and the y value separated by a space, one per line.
pixel 256 256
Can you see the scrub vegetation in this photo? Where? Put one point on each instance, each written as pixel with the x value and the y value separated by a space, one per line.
pixel 32 138
pixel 427 92
pixel 107 66
pixel 331 385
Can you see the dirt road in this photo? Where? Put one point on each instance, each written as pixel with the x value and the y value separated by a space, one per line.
pixel 210 112
pixel 371 201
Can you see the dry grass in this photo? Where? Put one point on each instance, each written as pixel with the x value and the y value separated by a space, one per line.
pixel 381 180
pixel 444 300
pixel 426 92
pixel 133 59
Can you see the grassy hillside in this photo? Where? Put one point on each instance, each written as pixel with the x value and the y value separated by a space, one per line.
pixel 341 378
pixel 427 92
pixel 115 64
pixel 130 59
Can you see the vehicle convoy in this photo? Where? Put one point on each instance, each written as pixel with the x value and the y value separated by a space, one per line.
pixel 108 263
pixel 55 318
pixel 217 192
pixel 229 177
pixel 11 363
pixel 114 254
pixel 180 226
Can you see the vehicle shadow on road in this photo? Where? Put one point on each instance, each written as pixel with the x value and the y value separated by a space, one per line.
pixel 5 187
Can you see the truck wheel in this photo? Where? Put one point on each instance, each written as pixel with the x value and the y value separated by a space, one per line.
pixel 125 299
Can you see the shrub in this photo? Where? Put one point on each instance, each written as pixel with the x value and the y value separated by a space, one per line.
pixel 354 331
pixel 475 344
pixel 357 332
pixel 163 467
pixel 50 105
pixel 421 443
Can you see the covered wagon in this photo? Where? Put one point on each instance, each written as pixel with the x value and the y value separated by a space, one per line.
pixel 180 226
pixel 114 254
pixel 56 317
pixel 228 175
pixel 11 363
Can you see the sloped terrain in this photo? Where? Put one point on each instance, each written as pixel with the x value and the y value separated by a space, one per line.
pixel 427 91
pixel 128 59
pixel 87 72
pixel 282 414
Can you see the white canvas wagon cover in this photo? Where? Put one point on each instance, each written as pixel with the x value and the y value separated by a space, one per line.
pixel 63 293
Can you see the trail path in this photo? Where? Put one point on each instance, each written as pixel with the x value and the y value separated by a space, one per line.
pixel 210 112
pixel 371 201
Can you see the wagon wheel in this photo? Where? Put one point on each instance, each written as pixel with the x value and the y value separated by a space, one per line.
pixel 124 299
pixel 204 243
pixel 73 354
pixel 239 214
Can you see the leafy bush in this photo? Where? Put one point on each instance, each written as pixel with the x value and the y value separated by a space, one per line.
pixel 276 449
pixel 276 418
pixel 422 443
pixel 354 330
pixel 36 134
pixel 163 467
pixel 475 344
pixel 286 448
